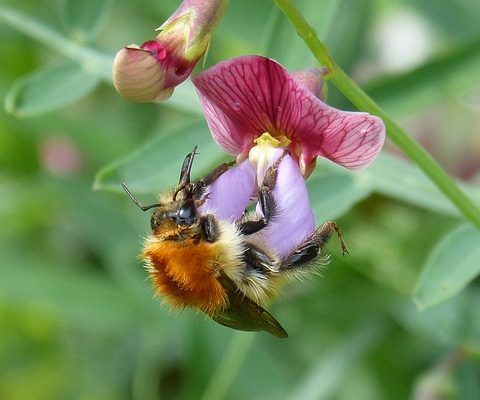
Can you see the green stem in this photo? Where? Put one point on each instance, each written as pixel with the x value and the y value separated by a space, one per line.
pixel 363 102
pixel 229 366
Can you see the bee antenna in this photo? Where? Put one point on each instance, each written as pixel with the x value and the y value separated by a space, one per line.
pixel 184 179
pixel 134 199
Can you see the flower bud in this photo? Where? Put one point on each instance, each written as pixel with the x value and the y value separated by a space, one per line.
pixel 151 71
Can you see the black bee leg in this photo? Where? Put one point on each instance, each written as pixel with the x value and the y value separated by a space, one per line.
pixel 201 184
pixel 209 227
pixel 310 249
pixel 257 260
pixel 213 175
pixel 267 204
pixel 266 201
pixel 306 252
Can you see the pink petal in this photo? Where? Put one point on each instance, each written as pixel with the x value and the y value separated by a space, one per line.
pixel 294 218
pixel 230 194
pixel 230 135
pixel 313 80
pixel 249 95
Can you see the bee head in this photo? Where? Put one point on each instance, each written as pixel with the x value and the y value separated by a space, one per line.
pixel 181 210
pixel 174 214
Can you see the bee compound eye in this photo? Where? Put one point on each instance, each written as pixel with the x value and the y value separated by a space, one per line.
pixel 186 214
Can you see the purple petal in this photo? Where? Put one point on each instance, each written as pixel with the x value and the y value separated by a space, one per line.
pixel 294 220
pixel 249 95
pixel 230 194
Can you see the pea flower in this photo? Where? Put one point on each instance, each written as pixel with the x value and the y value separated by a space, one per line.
pixel 248 96
pixel 264 115
pixel 151 71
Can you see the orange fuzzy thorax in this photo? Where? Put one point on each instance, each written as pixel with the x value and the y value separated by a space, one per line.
pixel 185 273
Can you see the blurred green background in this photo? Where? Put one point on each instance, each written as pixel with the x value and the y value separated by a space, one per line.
pixel 77 316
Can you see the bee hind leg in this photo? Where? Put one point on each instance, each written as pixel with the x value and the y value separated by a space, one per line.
pixel 258 261
pixel 309 249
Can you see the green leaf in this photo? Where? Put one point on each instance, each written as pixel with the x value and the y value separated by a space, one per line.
pixel 328 374
pixel 453 263
pixel 49 88
pixel 233 36
pixel 95 62
pixel 333 189
pixel 280 41
pixel 86 299
pixel 397 178
pixel 446 14
pixel 155 166
pixel 333 193
pixel 83 19
pixel 448 324
pixel 453 71
pixel 185 99
pixel 346 31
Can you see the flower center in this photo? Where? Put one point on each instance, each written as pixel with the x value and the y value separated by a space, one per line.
pixel 264 152
pixel 266 138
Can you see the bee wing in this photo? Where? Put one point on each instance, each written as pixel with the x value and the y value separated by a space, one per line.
pixel 244 314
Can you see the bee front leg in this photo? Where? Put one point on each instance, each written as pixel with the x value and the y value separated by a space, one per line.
pixel 216 173
pixel 267 205
pixel 265 200
pixel 308 250
pixel 209 227
pixel 201 184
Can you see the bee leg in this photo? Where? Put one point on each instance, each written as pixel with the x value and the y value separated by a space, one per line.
pixel 265 200
pixel 310 249
pixel 267 205
pixel 209 227
pixel 201 184
pixel 306 252
pixel 257 260
pixel 215 174
pixel 323 234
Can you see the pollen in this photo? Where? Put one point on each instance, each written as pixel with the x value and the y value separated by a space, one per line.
pixel 276 140
pixel 186 274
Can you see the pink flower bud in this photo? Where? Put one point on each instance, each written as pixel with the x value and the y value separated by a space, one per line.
pixel 151 71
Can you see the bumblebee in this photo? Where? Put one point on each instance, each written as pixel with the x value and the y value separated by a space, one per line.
pixel 219 266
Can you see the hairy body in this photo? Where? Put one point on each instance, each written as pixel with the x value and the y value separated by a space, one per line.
pixel 224 268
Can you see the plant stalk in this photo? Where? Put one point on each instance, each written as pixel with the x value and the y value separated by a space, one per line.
pixel 364 102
